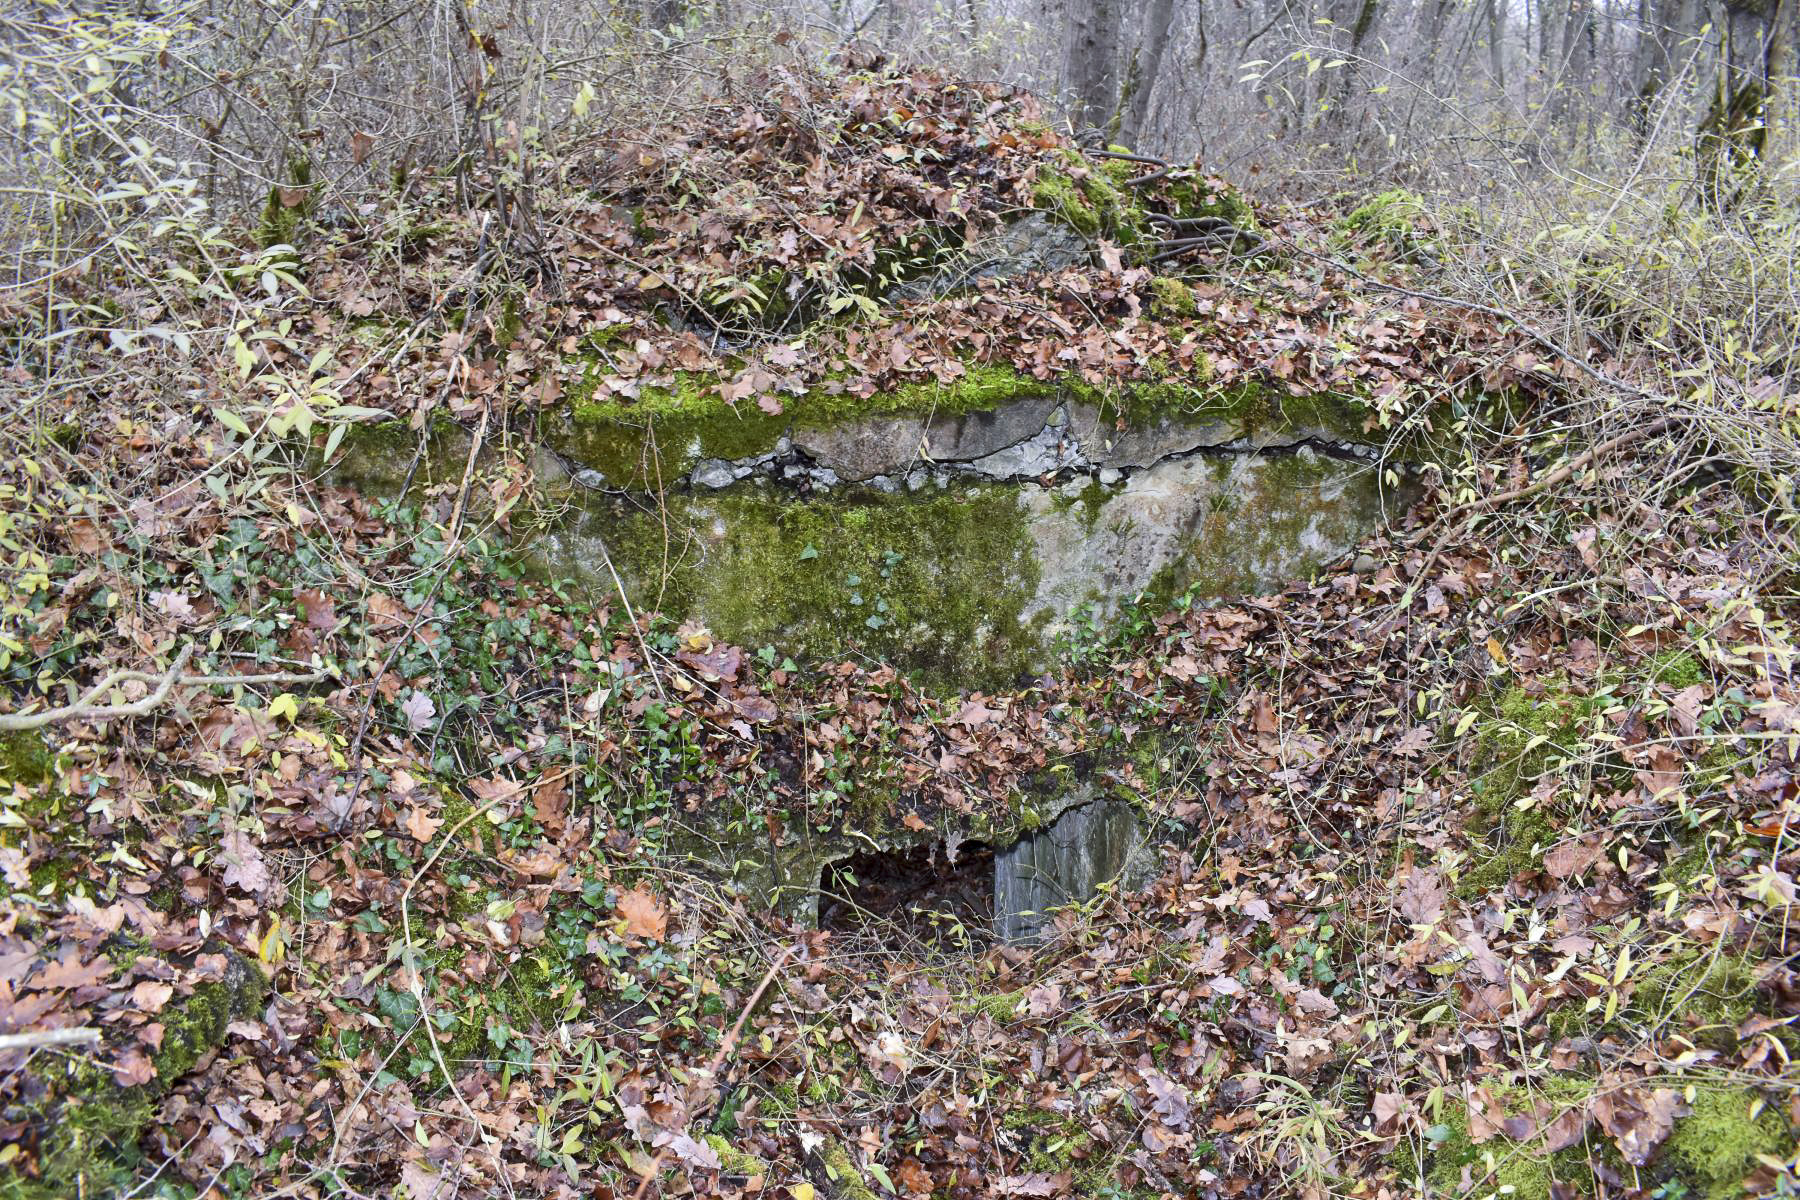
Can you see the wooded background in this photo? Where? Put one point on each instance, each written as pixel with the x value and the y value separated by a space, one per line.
pixel 1625 167
pixel 347 97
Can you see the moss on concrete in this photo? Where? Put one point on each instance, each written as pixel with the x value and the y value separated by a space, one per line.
pixel 938 580
pixel 651 442
pixel 983 387
pixel 374 458
pixel 1057 194
pixel 1195 196
pixel 1261 411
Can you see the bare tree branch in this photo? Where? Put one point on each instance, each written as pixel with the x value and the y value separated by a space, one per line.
pixel 88 707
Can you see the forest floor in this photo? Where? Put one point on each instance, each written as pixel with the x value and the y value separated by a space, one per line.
pixel 1476 851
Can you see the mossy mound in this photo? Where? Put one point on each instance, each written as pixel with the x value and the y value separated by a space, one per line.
pixel 1708 1154
pixel 87 1127
pixel 1716 1146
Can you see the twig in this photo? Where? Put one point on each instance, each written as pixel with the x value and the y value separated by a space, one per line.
pixel 87 708
pixel 1629 438
pixel 452 548
pixel 718 1059
pixel 1562 352
pixel 477 270
pixel 1121 156
pixel 1172 222
pixel 1456 517
pixel 1225 238
pixel 1152 177
pixel 80 1036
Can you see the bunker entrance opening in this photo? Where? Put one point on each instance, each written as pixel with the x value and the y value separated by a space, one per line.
pixel 916 889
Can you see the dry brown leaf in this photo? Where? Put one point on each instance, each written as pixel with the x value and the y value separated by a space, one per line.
pixel 644 914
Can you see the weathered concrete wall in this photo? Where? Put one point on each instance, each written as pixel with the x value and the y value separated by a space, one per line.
pixel 1091 844
pixel 961 536
pixel 964 545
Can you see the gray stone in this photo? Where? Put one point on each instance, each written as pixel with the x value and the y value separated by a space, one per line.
pixel 1230 525
pixel 587 477
pixel 1044 454
pixel 715 473
pixel 970 436
pixel 1109 476
pixel 870 446
pixel 1036 242
pixel 862 449
pixel 1141 445
pixel 1365 564
pixel 548 469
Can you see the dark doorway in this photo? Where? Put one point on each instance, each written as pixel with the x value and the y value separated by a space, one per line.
pixel 917 890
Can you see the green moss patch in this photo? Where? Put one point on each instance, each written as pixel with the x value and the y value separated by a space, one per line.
pixel 89 1126
pixel 24 757
pixel 1170 298
pixel 374 458
pixel 650 443
pixel 939 580
pixel 1717 1145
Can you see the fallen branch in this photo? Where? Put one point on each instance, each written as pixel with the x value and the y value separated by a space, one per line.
pixel 1206 223
pixel 88 707
pixel 718 1059
pixel 80 1036
pixel 1457 517
pixel 1580 461
pixel 1226 238
pixel 1121 156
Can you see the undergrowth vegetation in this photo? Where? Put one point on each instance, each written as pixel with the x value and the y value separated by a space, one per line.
pixel 346 856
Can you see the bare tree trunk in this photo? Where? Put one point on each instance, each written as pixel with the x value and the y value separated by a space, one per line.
pixel 1147 66
pixel 1661 23
pixel 1366 13
pixel 1496 34
pixel 1732 136
pixel 1091 61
